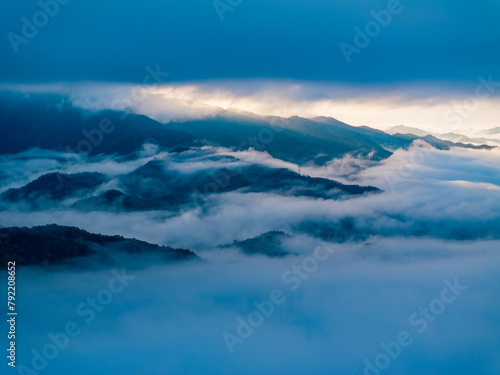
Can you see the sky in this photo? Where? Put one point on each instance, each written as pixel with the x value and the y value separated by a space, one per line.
pixel 378 63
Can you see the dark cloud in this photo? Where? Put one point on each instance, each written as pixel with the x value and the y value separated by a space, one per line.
pixel 427 40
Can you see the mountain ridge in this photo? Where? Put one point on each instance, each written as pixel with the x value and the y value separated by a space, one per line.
pixel 52 122
pixel 56 245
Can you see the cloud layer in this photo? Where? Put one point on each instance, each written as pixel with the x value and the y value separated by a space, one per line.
pixel 422 40
pixel 444 194
pixel 436 223
pixel 171 319
pixel 435 107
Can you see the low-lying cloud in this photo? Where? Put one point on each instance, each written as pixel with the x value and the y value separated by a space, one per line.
pixel 426 192
pixel 171 319
pixel 435 223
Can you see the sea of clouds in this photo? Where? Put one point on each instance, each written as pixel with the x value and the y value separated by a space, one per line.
pixel 334 319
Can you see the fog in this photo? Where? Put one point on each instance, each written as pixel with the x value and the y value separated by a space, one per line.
pixel 171 319
pixel 435 223
pixel 443 194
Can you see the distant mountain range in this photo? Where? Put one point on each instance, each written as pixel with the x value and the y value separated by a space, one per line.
pixel 402 129
pixel 459 140
pixel 51 122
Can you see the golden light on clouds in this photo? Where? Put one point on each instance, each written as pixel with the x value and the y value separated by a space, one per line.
pixel 445 111
pixel 436 114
